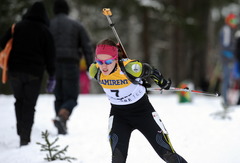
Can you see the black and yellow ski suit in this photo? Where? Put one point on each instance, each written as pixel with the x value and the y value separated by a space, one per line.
pixel 131 109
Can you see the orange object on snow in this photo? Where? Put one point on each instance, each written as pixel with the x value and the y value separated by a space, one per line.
pixel 4 55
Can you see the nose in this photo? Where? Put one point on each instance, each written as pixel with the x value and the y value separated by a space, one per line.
pixel 104 65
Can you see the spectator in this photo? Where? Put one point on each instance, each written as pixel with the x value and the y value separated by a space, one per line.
pixel 227 54
pixel 237 65
pixel 32 51
pixel 71 41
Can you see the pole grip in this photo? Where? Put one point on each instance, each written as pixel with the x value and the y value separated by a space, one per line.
pixel 107 12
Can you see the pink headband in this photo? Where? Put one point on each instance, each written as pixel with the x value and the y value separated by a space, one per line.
pixel 107 49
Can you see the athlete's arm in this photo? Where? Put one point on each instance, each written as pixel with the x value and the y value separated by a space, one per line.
pixel 93 70
pixel 144 70
pixel 138 69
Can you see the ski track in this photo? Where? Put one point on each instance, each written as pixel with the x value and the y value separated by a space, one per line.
pixel 195 132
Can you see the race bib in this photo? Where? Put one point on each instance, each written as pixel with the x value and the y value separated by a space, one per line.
pixel 126 95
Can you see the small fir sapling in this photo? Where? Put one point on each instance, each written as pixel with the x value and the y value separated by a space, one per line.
pixel 53 152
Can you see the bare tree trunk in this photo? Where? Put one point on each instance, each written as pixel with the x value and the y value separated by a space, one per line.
pixel 201 45
pixel 145 36
pixel 176 53
pixel 189 49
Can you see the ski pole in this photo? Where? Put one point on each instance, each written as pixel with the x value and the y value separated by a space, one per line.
pixel 107 12
pixel 185 90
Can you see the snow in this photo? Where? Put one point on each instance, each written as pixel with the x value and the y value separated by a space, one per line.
pixel 195 132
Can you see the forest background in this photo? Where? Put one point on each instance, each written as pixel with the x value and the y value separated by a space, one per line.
pixel 180 38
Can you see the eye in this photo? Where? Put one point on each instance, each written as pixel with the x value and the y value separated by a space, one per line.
pixel 99 62
pixel 108 62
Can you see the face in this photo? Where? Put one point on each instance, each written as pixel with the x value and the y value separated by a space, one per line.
pixel 105 67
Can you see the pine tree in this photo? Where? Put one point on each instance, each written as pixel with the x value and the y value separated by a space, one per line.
pixel 53 152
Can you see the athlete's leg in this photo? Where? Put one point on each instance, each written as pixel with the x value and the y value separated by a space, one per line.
pixel 119 135
pixel 155 132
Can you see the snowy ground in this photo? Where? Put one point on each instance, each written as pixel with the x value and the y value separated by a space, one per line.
pixel 194 132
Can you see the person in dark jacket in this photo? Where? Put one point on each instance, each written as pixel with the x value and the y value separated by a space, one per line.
pixel 71 42
pixel 32 52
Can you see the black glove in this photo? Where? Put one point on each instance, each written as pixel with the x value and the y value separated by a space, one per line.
pixel 160 81
pixel 167 85
pixel 146 84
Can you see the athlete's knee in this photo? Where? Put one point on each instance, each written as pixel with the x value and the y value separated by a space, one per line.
pixel 168 154
pixel 113 139
pixel 163 140
pixel 118 155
